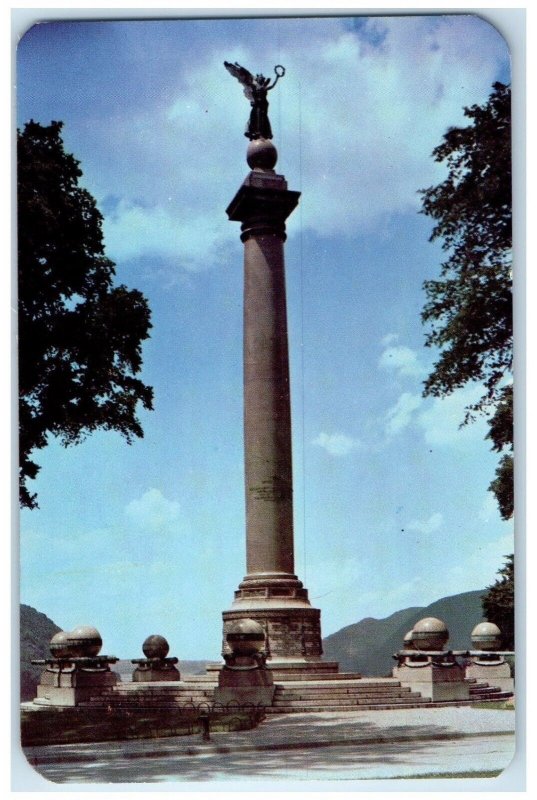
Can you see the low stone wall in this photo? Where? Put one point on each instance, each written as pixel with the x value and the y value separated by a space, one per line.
pixel 69 725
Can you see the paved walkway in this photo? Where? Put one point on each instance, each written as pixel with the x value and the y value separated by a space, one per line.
pixel 323 746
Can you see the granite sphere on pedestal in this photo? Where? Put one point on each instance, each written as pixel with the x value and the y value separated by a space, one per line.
pixel 59 645
pixel 84 641
pixel 245 637
pixel 408 640
pixel 156 646
pixel 430 634
pixel 261 154
pixel 486 636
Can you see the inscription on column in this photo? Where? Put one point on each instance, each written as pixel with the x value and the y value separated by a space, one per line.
pixel 270 490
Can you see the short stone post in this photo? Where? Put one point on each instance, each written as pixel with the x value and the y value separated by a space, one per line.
pixel 76 673
pixel 427 667
pixel 488 662
pixel 155 666
pixel 244 679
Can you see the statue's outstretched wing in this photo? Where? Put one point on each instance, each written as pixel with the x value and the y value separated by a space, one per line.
pixel 242 75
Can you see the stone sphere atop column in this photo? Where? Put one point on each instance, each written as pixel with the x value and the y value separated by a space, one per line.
pixel 60 646
pixel 261 154
pixel 486 636
pixel 156 646
pixel 408 640
pixel 430 633
pixel 85 641
pixel 245 637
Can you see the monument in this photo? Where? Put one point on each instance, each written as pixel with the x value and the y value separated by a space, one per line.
pixel 156 666
pixel 75 673
pixel 270 593
pixel 427 667
pixel 245 677
pixel 487 661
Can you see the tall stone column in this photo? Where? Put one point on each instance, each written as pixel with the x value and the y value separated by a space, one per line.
pixel 270 593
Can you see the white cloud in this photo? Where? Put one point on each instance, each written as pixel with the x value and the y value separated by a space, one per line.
pixel 188 239
pixel 390 338
pixel 433 579
pixel 441 420
pixel 400 415
pixel 336 444
pixel 476 570
pixel 489 508
pixel 335 575
pixel 383 110
pixel 426 526
pixel 347 117
pixel 403 360
pixel 154 513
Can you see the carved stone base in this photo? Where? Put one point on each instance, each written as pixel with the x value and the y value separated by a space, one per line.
pixel 244 695
pixel 495 673
pixel 69 688
pixel 244 680
pixel 153 673
pixel 272 587
pixel 292 633
pixel 434 681
pixel 155 669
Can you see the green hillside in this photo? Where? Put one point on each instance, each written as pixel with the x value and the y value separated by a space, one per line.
pixel 36 631
pixel 367 646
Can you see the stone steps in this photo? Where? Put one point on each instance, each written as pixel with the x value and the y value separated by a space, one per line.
pixel 377 705
pixel 340 697
pixel 350 703
pixel 483 691
pixel 153 695
pixel 290 677
pixel 422 702
pixel 329 691
pixel 317 694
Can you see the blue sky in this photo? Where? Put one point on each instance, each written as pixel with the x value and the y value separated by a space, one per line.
pixel 391 501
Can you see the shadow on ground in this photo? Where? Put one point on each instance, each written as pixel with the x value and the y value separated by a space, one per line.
pixel 286 749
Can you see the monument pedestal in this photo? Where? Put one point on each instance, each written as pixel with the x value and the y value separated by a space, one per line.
pixel 244 680
pixel 437 679
pixel 493 670
pixel 72 684
pixel 271 594
pixel 281 606
pixel 155 669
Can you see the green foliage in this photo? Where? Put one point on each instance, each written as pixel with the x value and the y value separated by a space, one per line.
pixel 469 309
pixel 36 631
pixel 499 602
pixel 368 646
pixel 503 486
pixel 79 335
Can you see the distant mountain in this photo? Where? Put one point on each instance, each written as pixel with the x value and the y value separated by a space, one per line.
pixel 125 668
pixel 368 645
pixel 36 631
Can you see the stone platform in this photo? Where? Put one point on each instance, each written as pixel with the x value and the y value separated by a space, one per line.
pixel 297 670
pixel 342 692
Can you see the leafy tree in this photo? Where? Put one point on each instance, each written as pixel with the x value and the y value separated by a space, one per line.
pixel 469 309
pixel 79 335
pixel 499 603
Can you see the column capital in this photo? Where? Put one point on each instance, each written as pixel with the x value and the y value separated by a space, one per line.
pixel 262 204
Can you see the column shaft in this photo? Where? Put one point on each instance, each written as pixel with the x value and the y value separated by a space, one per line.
pixel 270 593
pixel 267 415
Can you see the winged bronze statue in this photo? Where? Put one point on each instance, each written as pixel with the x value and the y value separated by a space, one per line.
pixel 255 89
